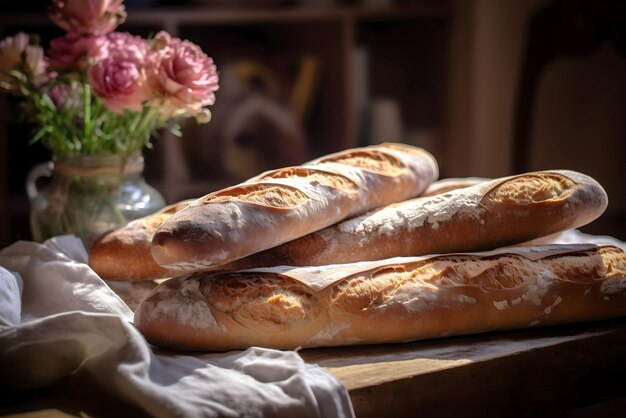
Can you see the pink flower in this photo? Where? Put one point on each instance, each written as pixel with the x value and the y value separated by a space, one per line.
pixel 181 76
pixel 75 51
pixel 65 96
pixel 119 77
pixel 119 80
pixel 18 54
pixel 58 95
pixel 134 47
pixel 95 17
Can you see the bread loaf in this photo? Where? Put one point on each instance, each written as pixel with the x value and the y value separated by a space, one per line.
pixel 284 204
pixel 124 253
pixel 387 301
pixel 485 216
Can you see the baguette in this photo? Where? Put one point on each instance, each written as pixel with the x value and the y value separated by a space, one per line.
pixel 388 301
pixel 124 253
pixel 488 215
pixel 284 204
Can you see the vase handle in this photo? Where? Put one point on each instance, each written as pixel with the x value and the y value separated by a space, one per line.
pixel 34 174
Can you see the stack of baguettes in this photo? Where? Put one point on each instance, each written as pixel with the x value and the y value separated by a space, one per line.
pixel 365 246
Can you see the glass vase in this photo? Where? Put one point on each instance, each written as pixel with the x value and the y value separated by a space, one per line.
pixel 88 196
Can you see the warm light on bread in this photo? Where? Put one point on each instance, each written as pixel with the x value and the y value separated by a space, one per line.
pixel 287 203
pixel 386 301
pixel 484 216
pixel 124 253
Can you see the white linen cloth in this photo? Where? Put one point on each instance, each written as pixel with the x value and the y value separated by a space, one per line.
pixel 57 317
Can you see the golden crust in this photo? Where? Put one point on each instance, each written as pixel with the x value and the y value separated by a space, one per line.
pixel 124 253
pixel 391 301
pixel 487 215
pixel 285 204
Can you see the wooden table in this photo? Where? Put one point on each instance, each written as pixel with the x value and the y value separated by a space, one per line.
pixel 573 370
pixel 567 371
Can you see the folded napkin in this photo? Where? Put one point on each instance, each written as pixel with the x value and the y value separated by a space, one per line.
pixel 57 318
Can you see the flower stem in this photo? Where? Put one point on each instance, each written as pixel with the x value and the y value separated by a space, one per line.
pixel 87 112
pixel 150 115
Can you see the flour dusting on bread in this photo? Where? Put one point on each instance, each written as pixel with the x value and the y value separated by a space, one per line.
pixel 393 300
pixel 185 303
pixel 288 203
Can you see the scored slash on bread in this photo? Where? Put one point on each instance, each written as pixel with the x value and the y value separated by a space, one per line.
pixel 387 301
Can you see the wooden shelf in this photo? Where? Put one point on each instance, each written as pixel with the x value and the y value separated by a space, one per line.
pixel 243 16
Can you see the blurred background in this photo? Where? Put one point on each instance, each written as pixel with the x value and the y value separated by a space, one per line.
pixel 491 88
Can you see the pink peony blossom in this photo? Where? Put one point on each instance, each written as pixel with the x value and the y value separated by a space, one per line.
pixel 119 80
pixel 18 54
pixel 119 77
pixel 75 51
pixel 103 91
pixel 181 76
pixel 95 17
pixel 134 47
